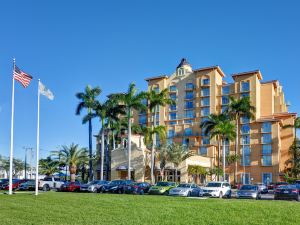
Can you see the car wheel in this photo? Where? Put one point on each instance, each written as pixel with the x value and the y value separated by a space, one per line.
pixel 46 187
pixel 120 191
pixel 142 192
pixel 298 198
pixel 221 195
pixel 229 194
pixel 167 193
pixel 189 194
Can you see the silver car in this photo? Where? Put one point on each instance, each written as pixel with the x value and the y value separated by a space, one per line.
pixel 249 191
pixel 184 189
pixel 93 186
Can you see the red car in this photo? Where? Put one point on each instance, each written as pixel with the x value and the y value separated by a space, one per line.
pixel 15 184
pixel 70 186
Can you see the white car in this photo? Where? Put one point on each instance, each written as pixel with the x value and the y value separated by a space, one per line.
pixel 217 189
pixel 49 183
pixel 183 190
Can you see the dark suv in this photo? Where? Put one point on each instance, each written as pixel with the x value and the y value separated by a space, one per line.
pixel 116 186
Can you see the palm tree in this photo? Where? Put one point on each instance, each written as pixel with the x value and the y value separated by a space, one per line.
pixel 226 130
pixel 156 99
pixel 236 109
pixel 87 101
pixel 295 160
pixel 109 110
pixel 48 166
pixel 295 126
pixel 178 153
pixel 132 100
pixel 163 156
pixel 73 156
pixel 197 171
pixel 209 125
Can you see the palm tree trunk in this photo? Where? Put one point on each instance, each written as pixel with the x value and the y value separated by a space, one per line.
pixel 129 143
pixel 236 149
pixel 90 152
pixel 73 173
pixel 153 149
pixel 224 159
pixel 114 141
pixel 102 149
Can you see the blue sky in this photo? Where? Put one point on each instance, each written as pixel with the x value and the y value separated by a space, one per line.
pixel 69 44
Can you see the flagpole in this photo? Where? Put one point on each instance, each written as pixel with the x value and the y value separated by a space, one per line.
pixel 12 131
pixel 37 143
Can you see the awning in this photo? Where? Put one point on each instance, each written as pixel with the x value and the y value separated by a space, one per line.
pixel 124 168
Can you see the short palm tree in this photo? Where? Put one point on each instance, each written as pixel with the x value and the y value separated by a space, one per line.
pixel 209 125
pixel 87 101
pixel 226 131
pixel 156 99
pixel 132 100
pixel 178 153
pixel 197 171
pixel 236 109
pixel 295 126
pixel 163 156
pixel 73 156
pixel 48 166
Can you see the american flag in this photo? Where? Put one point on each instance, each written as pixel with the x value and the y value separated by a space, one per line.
pixel 22 77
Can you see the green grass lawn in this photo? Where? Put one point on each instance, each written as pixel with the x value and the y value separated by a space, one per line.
pixel 79 208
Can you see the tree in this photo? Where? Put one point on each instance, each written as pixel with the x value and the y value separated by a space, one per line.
pixel 295 160
pixel 178 153
pixel 18 166
pixel 226 130
pixel 87 101
pixel 295 126
pixel 208 126
pixel 132 100
pixel 48 166
pixel 156 99
pixel 197 171
pixel 163 156
pixel 109 110
pixel 215 171
pixel 236 109
pixel 73 156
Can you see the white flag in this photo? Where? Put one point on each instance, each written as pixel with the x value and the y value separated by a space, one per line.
pixel 45 91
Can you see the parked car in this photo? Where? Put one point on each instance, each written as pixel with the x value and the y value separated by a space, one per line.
pixel 70 186
pixel 49 183
pixel 116 186
pixel 217 189
pixel 197 192
pixel 184 189
pixel 93 186
pixel 15 184
pixel 137 188
pixel 249 191
pixel 3 183
pixel 262 188
pixel 287 192
pixel 161 188
pixel 278 184
pixel 270 186
pixel 27 186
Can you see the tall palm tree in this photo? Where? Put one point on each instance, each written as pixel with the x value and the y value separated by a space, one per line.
pixel 87 101
pixel 109 110
pixel 178 153
pixel 295 126
pixel 209 125
pixel 73 156
pixel 132 100
pixel 156 99
pixel 236 109
pixel 226 130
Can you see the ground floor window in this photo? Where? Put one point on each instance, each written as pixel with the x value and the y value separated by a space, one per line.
pixel 267 178
pixel 245 178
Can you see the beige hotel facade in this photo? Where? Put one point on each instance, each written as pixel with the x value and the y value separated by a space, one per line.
pixel 264 144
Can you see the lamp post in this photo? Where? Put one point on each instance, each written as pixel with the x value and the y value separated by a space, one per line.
pixel 26 149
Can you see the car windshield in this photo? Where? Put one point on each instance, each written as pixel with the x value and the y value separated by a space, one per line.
pixel 92 182
pixel 213 184
pixel 165 184
pixel 115 182
pixel 248 188
pixel 184 185
pixel 287 187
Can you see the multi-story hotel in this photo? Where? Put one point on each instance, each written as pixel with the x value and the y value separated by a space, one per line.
pixel 264 144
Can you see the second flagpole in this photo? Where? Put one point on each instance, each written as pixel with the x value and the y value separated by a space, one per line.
pixel 37 143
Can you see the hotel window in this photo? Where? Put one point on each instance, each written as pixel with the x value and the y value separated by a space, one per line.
pixel 266 178
pixel 142 119
pixel 189 86
pixel 205 140
pixel 188 121
pixel 245 119
pixel 245 95
pixel 245 178
pixel 245 160
pixel 224 108
pixel 172 116
pixel 205 111
pixel 188 131
pixel 156 89
pixel 266 149
pixel 173 107
pixel 189 104
pixel 173 88
pixel 225 100
pixel 205 81
pixel 245 86
pixel 172 122
pixel 266 127
pixel 267 160
pixel 205 91
pixel 180 71
pixel 245 139
pixel 225 90
pixel 185 142
pixel 189 114
pixel 266 139
pixel 171 133
pixel 173 96
pixel 245 129
pixel 189 95
pixel 205 101
pixel 203 151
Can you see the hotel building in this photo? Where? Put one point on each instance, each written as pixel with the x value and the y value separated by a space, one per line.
pixel 264 144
